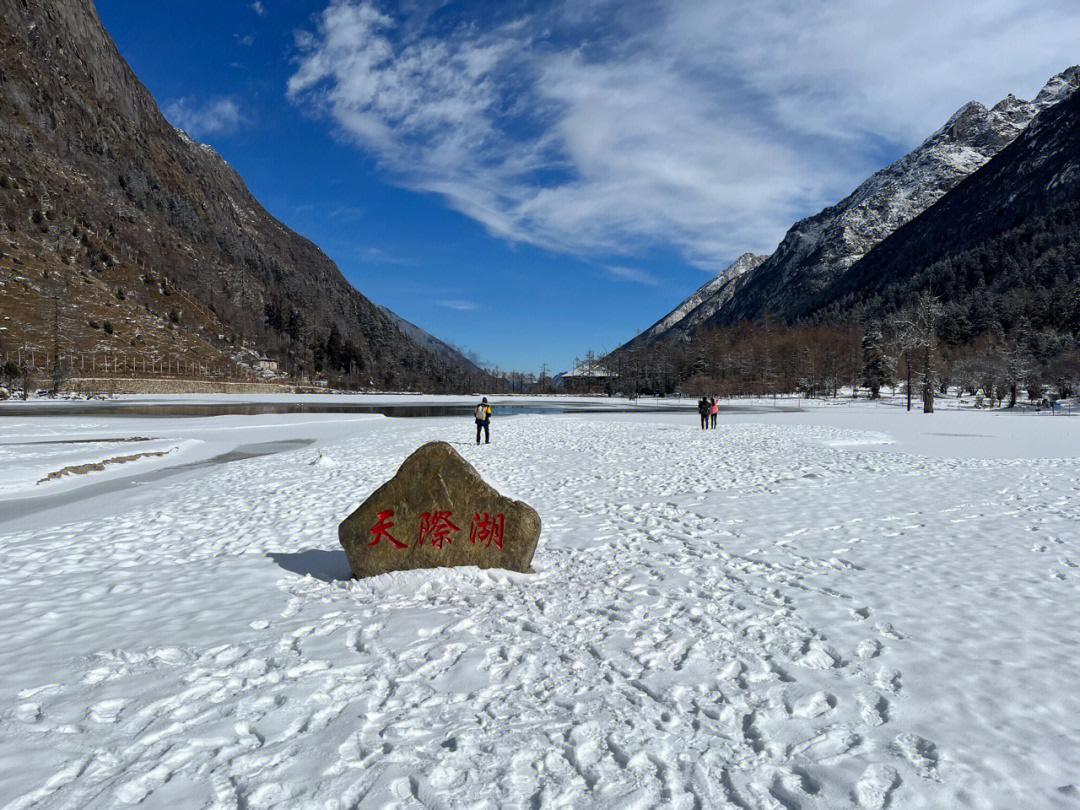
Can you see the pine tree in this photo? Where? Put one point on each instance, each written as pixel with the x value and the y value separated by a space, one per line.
pixel 878 366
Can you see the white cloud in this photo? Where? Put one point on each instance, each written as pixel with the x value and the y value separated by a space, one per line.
pixel 896 69
pixel 706 127
pixel 377 255
pixel 347 212
pixel 258 7
pixel 464 306
pixel 620 273
pixel 217 116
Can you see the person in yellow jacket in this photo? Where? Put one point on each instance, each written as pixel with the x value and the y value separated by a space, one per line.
pixel 483 421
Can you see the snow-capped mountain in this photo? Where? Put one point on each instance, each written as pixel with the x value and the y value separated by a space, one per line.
pixel 1001 250
pixel 818 249
pixel 704 303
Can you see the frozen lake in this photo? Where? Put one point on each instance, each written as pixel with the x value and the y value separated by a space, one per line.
pixel 298 405
pixel 846 606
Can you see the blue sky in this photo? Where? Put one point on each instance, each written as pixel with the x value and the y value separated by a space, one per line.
pixel 533 180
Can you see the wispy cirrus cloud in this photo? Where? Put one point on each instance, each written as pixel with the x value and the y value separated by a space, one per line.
pixel 462 306
pixel 634 274
pixel 377 255
pixel 216 116
pixel 617 127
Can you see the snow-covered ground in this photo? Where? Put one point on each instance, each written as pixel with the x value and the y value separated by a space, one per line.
pixel 849 606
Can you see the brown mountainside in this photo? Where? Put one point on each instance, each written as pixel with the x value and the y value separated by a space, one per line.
pixel 98 192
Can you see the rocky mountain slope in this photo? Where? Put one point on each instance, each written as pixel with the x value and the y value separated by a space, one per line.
pixel 702 305
pixel 428 340
pixel 819 249
pixel 92 176
pixel 1001 250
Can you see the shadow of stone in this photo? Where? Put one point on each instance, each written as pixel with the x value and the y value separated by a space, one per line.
pixel 329 566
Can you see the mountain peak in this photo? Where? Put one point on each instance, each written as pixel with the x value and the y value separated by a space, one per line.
pixel 1009 103
pixel 1059 87
pixel 822 248
pixel 746 262
pixel 705 301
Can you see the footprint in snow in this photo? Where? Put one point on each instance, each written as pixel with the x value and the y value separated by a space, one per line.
pixel 887 630
pixel 873 708
pixel 868 648
pixel 28 713
pixel 107 711
pixel 814 705
pixel 820 656
pixel 888 679
pixel 137 789
pixel 794 788
pixel 875 787
pixel 830 746
pixel 919 752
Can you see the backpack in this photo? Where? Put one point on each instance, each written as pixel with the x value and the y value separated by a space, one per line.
pixel 481 413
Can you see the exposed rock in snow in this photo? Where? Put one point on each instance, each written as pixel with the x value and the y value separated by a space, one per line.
pixel 322 460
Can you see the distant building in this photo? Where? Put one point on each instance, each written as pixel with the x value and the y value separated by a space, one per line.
pixel 586 379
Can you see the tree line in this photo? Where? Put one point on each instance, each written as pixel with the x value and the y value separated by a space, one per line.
pixel 914 349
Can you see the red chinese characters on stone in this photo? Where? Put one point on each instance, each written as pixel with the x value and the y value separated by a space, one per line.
pixel 487 529
pixel 436 527
pixel 382 529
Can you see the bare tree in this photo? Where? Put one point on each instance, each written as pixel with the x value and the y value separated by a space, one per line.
pixel 58 372
pixel 26 380
pixel 1016 366
pixel 916 330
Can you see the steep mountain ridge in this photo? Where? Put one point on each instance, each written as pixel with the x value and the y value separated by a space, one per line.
pixel 1001 250
pixel 700 306
pixel 428 340
pixel 819 249
pixel 95 175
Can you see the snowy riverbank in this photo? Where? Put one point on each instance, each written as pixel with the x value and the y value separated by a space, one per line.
pixel 849 606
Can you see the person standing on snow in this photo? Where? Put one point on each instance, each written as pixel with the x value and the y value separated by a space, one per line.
pixel 714 409
pixel 703 411
pixel 483 421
